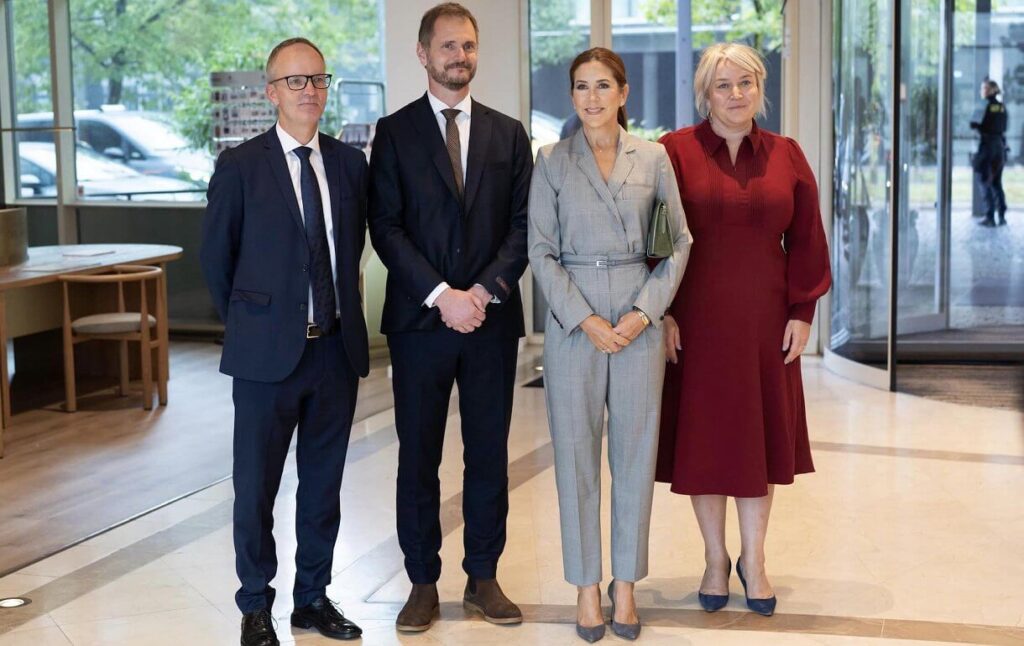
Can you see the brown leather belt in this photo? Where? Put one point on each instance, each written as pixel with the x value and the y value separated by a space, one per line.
pixel 313 330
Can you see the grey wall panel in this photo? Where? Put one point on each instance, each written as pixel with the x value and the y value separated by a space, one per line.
pixel 42 225
pixel 189 303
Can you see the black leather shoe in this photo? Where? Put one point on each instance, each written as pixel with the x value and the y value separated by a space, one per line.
pixel 258 629
pixel 323 616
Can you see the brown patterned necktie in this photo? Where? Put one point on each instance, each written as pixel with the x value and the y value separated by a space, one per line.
pixel 454 146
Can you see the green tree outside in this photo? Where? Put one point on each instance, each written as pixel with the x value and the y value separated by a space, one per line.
pixel 158 54
pixel 757 22
pixel 554 38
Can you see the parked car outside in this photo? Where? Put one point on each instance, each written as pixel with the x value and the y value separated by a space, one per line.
pixel 98 177
pixel 144 141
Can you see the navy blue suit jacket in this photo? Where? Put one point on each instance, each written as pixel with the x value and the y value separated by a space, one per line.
pixel 256 259
pixel 425 235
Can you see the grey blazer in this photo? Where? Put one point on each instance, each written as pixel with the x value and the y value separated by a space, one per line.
pixel 573 211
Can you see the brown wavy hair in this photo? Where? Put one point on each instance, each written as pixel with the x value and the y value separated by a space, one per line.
pixel 609 59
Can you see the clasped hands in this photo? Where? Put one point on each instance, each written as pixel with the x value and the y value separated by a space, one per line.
pixel 463 310
pixel 610 339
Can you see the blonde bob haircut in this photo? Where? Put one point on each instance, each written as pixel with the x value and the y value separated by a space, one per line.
pixel 742 56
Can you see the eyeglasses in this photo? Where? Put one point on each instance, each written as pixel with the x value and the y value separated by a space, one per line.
pixel 299 81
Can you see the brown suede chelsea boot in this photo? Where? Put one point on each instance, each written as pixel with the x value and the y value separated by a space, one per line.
pixel 485 597
pixel 420 610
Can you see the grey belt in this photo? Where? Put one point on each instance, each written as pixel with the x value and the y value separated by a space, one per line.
pixel 614 260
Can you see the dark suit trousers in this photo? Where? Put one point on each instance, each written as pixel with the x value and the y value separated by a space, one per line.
pixel 319 396
pixel 425 365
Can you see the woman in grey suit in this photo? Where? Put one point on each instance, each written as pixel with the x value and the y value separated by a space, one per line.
pixel 591 200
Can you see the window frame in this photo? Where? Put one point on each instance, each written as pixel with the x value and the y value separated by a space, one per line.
pixel 64 132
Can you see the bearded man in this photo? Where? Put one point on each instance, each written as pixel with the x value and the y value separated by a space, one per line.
pixel 449 183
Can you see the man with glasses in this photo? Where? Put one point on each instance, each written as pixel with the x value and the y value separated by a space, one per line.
pixel 282 236
pixel 449 187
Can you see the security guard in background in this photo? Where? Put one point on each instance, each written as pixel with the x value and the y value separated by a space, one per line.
pixel 990 122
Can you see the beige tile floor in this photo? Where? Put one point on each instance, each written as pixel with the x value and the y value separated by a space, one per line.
pixel 911 531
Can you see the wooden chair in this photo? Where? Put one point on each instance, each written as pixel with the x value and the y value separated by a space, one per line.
pixel 121 326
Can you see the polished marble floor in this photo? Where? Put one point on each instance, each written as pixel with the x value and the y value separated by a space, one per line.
pixel 911 531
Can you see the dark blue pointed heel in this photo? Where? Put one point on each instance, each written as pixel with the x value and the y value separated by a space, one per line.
pixel 713 602
pixel 590 634
pixel 625 631
pixel 764 607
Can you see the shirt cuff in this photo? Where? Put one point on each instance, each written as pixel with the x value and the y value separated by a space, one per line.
pixel 434 294
pixel 494 297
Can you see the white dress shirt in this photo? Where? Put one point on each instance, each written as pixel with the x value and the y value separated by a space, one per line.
pixel 288 143
pixel 462 121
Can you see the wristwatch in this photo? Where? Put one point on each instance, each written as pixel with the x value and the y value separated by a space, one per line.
pixel 643 316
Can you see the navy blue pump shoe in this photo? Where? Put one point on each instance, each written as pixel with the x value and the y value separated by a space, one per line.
pixel 625 631
pixel 713 602
pixel 590 634
pixel 764 607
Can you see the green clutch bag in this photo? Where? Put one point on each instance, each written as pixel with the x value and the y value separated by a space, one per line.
pixel 659 234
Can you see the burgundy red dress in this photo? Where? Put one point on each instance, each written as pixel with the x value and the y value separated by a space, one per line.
pixel 732 419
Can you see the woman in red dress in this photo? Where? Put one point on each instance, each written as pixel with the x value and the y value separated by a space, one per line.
pixel 733 420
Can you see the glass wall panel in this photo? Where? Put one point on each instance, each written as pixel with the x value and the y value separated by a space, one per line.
pixel 922 218
pixel 559 30
pixel 987 263
pixel 861 258
pixel 147 114
pixel 644 34
pixel 35 163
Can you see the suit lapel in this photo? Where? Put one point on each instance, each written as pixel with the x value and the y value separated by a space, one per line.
pixel 588 165
pixel 425 123
pixel 332 168
pixel 479 143
pixel 279 167
pixel 624 161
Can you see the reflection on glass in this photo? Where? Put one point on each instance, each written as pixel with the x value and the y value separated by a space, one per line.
pixel 863 139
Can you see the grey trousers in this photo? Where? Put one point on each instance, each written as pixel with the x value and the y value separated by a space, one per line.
pixel 579 382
